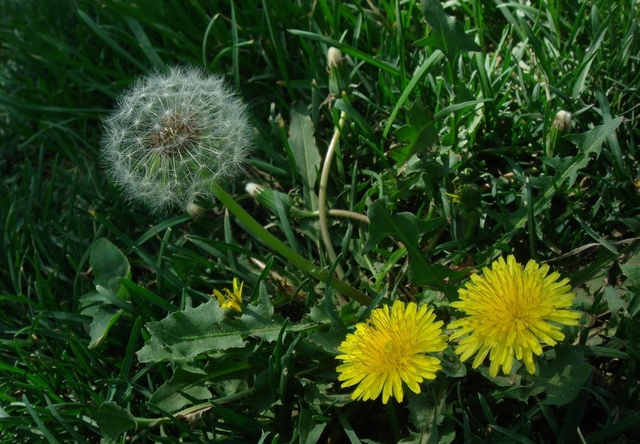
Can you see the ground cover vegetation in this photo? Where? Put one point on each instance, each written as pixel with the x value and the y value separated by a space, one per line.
pixel 327 221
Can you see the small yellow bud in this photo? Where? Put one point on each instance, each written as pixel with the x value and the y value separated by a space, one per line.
pixel 231 301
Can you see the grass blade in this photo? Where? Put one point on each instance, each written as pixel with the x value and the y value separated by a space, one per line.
pixel 43 429
pixel 347 50
pixel 435 58
pixel 143 41
pixel 109 41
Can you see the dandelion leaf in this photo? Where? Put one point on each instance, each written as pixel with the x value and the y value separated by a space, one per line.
pixel 113 421
pixel 183 335
pixel 104 318
pixel 451 365
pixel 408 229
pixel 563 378
pixel 510 221
pixel 447 34
pixel 515 390
pixel 426 409
pixel 567 170
pixel 615 303
pixel 327 341
pixel 305 152
pixel 591 141
pixel 419 136
pixel 631 270
pixel 590 144
pixel 309 430
pixel 259 320
pixel 109 265
pixel 570 165
pixel 184 387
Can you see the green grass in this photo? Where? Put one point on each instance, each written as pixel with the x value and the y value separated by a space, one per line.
pixel 430 111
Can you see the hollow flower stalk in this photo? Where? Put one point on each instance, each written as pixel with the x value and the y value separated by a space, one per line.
pixel 173 135
pixel 510 311
pixel 390 349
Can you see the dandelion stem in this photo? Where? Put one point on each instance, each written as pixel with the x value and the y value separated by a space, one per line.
pixel 278 246
pixel 298 213
pixel 322 195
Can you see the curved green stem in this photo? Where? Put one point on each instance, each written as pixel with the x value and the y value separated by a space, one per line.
pixel 296 212
pixel 279 247
pixel 322 196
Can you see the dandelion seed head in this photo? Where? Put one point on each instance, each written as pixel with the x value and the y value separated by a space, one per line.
pixel 180 132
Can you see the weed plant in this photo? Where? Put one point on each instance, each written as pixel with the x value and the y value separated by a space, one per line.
pixel 436 126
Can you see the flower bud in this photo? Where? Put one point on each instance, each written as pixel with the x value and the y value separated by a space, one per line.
pixel 173 136
pixel 334 57
pixel 195 211
pixel 338 78
pixel 471 198
pixel 268 197
pixel 561 124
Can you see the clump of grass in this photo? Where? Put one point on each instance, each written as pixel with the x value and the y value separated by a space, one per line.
pixel 447 158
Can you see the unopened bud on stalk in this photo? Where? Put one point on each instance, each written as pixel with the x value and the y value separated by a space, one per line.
pixel 175 135
pixel 334 57
pixel 338 79
pixel 269 198
pixel 471 198
pixel 195 211
pixel 561 124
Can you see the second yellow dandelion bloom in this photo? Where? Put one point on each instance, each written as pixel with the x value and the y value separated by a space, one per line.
pixel 231 300
pixel 510 311
pixel 389 349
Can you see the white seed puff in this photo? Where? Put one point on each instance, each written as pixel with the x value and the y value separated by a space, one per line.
pixel 173 135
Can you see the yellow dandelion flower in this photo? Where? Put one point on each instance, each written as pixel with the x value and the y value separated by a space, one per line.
pixel 231 300
pixel 391 348
pixel 510 311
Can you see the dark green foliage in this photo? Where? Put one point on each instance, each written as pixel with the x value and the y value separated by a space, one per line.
pixel 445 149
